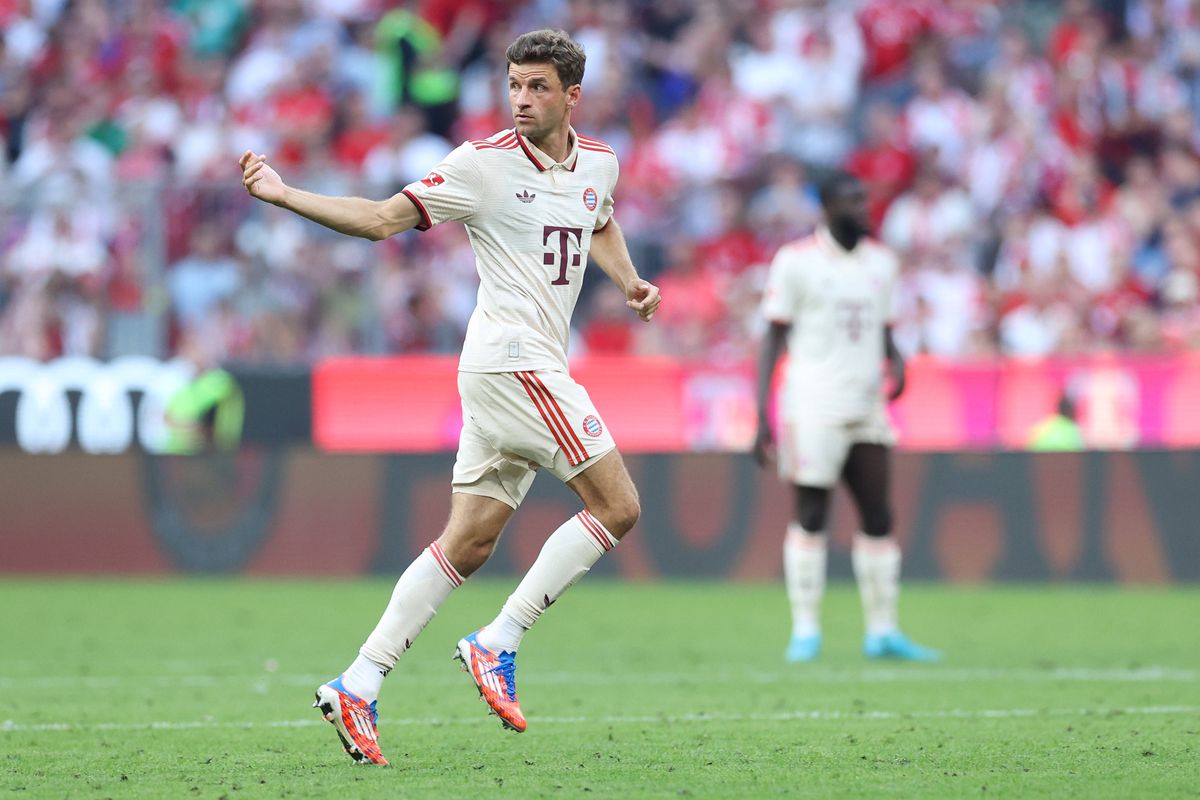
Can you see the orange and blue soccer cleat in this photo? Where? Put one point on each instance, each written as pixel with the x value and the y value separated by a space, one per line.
pixel 355 721
pixel 495 677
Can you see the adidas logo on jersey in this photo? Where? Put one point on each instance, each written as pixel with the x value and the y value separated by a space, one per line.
pixel 526 197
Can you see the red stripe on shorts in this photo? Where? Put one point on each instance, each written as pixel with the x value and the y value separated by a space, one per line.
pixel 548 417
pixel 563 417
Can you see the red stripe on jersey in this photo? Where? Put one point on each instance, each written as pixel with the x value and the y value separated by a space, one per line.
pixel 529 154
pixel 445 564
pixel 547 417
pixel 593 527
pixel 591 140
pixel 509 138
pixel 596 146
pixel 494 147
pixel 426 223
pixel 563 417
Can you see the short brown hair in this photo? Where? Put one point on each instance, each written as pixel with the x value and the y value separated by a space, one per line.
pixel 549 46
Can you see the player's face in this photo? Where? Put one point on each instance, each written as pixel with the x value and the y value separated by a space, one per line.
pixel 537 98
pixel 850 205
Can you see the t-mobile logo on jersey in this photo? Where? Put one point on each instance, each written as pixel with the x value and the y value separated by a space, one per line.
pixel 564 239
pixel 853 317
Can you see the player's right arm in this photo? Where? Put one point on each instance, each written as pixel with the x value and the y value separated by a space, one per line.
pixel 354 216
pixel 773 346
pixel 779 307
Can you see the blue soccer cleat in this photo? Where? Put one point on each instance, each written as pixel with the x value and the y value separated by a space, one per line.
pixel 898 646
pixel 802 648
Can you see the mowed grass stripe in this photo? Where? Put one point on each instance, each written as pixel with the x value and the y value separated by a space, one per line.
pixel 663 719
pixel 801 674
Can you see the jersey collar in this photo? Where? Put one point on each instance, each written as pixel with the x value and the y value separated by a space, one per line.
pixel 826 240
pixel 544 162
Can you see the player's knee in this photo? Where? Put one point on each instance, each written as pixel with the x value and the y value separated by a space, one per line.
pixel 467 552
pixel 625 515
pixel 877 522
pixel 812 517
pixel 619 515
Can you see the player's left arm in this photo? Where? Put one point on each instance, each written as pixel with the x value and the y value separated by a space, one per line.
pixel 895 361
pixel 611 254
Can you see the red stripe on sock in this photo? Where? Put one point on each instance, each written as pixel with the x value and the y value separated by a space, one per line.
pixel 445 564
pixel 592 526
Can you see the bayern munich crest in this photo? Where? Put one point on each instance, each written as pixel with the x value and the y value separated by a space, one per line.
pixel 592 426
pixel 589 198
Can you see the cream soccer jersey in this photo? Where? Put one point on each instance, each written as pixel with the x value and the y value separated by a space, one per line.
pixel 530 220
pixel 836 302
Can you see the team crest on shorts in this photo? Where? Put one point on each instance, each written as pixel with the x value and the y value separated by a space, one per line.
pixel 592 426
pixel 589 198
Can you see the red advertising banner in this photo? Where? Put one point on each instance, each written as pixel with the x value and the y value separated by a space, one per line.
pixel 411 404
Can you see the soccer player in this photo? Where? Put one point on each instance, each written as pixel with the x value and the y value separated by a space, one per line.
pixel 537 200
pixel 828 301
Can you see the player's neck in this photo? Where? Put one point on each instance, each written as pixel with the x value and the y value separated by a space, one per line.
pixel 556 144
pixel 847 236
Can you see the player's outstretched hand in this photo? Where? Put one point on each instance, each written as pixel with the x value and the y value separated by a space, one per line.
pixel 643 298
pixel 260 179
pixel 764 445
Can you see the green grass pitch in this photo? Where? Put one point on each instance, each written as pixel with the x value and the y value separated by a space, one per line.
pixel 201 688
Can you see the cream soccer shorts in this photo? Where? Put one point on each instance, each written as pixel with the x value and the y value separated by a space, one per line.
pixel 517 422
pixel 813 448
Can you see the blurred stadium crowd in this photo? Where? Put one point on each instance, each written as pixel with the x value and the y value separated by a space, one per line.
pixel 1035 164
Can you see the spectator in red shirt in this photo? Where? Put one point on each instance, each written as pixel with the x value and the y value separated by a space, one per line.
pixel 893 30
pixel 883 162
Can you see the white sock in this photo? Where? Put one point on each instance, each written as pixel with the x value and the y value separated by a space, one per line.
pixel 876 562
pixel 565 558
pixel 804 575
pixel 422 588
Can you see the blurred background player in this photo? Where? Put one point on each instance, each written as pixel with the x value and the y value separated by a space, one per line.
pixel 536 200
pixel 206 413
pixel 828 301
pixel 1059 432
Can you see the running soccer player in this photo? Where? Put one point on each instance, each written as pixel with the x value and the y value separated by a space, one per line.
pixel 537 200
pixel 828 301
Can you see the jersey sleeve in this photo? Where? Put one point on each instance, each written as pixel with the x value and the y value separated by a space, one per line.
pixel 450 191
pixel 606 205
pixel 781 292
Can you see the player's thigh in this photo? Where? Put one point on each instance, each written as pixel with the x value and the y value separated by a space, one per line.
pixel 607 491
pixel 812 451
pixel 480 468
pixel 868 476
pixel 867 470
